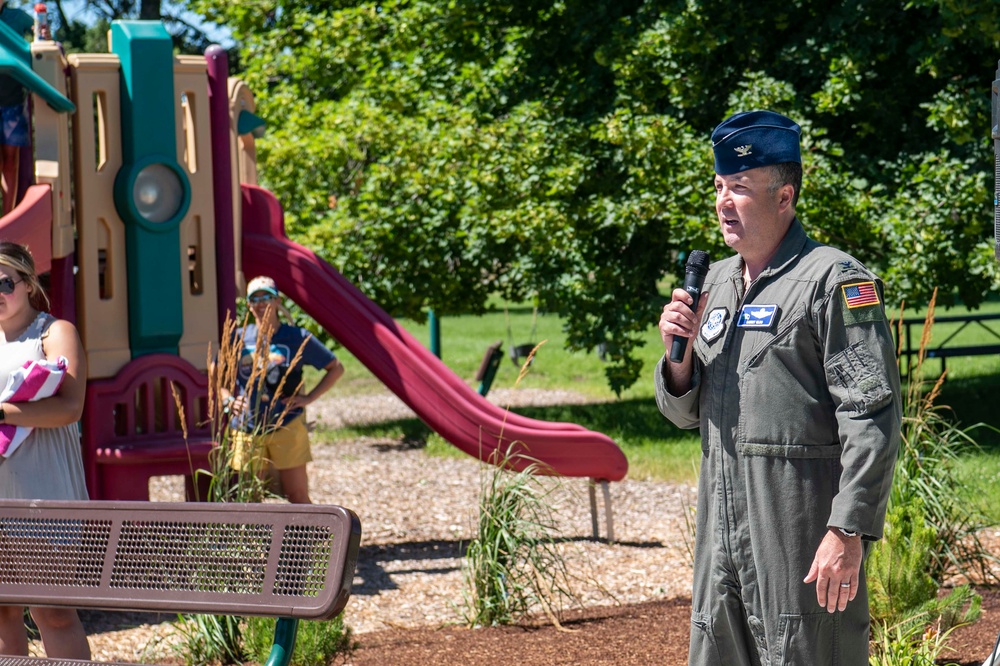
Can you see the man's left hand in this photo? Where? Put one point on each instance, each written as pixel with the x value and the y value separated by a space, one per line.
pixel 836 570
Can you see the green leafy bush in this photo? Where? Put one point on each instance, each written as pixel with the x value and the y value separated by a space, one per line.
pixel 315 644
pixel 930 531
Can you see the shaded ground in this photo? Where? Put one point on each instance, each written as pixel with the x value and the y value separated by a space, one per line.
pixel 631 635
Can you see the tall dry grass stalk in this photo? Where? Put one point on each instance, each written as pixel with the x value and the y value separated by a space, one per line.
pixel 249 481
pixel 219 638
pixel 931 442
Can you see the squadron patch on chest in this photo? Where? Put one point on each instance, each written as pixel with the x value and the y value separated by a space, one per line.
pixel 714 324
pixel 757 316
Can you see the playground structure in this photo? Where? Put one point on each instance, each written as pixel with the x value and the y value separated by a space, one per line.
pixel 141 203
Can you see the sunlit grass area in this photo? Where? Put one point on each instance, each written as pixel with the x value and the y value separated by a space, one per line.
pixel 655 448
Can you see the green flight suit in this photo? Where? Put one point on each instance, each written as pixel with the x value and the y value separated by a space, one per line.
pixel 796 390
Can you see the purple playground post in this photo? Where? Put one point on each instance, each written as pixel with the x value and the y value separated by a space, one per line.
pixel 222 180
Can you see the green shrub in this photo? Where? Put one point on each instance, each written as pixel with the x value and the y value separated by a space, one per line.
pixel 315 645
pixel 513 564
pixel 930 531
pixel 209 639
pixel 897 567
pixel 226 639
pixel 926 471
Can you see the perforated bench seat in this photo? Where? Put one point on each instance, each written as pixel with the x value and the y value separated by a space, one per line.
pixel 274 560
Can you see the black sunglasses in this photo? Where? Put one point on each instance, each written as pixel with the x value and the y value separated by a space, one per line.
pixel 263 298
pixel 7 285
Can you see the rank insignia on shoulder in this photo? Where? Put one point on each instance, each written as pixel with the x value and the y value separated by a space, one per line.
pixel 757 316
pixel 860 294
pixel 715 324
pixel 845 265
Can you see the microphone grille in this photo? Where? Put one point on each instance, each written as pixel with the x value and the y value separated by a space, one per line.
pixel 698 259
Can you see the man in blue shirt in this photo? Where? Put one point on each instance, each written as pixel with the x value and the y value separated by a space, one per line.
pixel 268 409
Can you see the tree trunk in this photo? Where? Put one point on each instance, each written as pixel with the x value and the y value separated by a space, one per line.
pixel 149 10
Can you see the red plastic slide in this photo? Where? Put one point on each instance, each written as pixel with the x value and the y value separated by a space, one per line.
pixel 407 367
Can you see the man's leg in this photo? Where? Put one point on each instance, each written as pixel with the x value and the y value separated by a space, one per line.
pixel 719 635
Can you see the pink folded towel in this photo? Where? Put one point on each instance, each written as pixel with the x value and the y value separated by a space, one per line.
pixel 34 381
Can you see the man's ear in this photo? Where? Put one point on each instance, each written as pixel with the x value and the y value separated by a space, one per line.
pixel 786 195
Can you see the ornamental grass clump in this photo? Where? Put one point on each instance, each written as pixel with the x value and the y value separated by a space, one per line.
pixel 514 566
pixel 930 446
pixel 931 532
pixel 248 482
pixel 224 639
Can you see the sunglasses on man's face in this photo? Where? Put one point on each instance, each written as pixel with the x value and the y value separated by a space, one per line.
pixel 7 285
pixel 256 298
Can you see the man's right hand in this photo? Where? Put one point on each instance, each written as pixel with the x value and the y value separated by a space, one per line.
pixel 678 318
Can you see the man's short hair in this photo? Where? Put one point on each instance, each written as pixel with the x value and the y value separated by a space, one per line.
pixel 786 173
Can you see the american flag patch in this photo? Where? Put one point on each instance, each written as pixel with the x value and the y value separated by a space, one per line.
pixel 860 295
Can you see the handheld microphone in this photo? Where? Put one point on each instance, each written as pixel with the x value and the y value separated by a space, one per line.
pixel 695 271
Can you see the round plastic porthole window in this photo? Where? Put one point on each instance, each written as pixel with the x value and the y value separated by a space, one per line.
pixel 158 193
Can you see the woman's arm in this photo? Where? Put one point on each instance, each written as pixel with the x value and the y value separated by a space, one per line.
pixel 333 371
pixel 66 406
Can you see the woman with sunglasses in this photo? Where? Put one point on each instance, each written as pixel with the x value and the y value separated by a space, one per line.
pixel 48 463
pixel 268 410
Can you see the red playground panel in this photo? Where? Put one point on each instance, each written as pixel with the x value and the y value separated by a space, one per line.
pixel 132 430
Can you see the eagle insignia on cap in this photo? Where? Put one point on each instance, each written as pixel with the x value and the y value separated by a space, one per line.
pixel 743 151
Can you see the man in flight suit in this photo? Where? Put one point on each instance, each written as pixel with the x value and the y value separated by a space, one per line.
pixel 790 372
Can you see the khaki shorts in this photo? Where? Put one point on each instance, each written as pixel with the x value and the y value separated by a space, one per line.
pixel 285 448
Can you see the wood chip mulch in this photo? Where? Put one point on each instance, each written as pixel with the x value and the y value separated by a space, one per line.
pixel 417 514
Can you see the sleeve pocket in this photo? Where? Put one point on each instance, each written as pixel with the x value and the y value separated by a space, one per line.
pixel 856 378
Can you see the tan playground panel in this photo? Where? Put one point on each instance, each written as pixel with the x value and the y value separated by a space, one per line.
pixel 51 143
pixel 102 289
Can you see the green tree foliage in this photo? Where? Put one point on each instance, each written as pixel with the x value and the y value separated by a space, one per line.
pixel 92 37
pixel 439 152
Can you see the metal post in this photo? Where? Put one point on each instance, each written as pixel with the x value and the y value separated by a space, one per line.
pixel 435 326
pixel 222 182
pixel 607 511
pixel 593 508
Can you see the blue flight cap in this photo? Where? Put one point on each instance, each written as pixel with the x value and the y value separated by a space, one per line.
pixel 754 139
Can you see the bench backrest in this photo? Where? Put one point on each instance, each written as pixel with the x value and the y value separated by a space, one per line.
pixel 276 560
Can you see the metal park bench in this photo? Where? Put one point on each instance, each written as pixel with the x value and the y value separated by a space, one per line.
pixel 276 560
pixel 952 345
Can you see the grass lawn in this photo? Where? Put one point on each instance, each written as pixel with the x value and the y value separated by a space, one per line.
pixel 655 448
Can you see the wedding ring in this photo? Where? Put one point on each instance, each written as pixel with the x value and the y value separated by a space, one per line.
pixel 845 584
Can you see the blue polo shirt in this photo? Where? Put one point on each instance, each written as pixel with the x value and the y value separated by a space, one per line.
pixel 265 398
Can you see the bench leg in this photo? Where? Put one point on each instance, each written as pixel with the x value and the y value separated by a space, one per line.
pixel 285 631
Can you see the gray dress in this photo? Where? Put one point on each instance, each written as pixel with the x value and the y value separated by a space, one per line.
pixel 48 464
